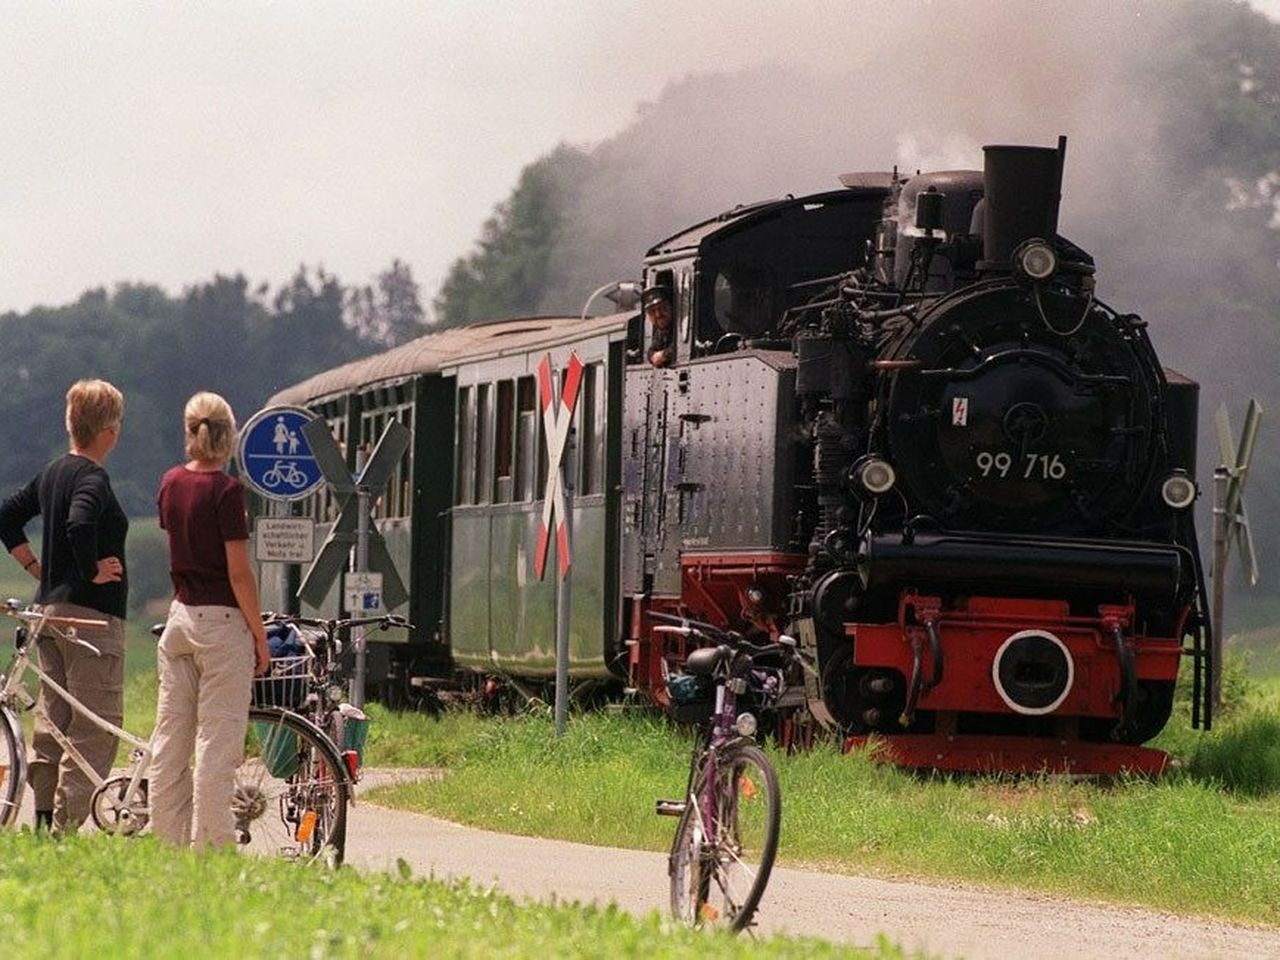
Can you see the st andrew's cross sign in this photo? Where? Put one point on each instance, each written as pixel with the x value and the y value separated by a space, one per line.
pixel 557 417
pixel 332 558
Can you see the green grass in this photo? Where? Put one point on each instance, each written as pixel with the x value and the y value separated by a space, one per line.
pixel 1204 839
pixel 99 897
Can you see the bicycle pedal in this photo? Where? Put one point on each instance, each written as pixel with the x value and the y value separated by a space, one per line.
pixel 669 808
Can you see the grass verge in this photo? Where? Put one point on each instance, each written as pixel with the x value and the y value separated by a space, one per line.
pixel 104 898
pixel 1185 843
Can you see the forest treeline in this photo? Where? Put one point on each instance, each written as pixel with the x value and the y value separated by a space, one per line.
pixel 245 343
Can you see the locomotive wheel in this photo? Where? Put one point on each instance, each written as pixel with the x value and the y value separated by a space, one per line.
pixel 840 685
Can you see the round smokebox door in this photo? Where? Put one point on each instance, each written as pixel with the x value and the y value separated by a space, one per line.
pixel 1033 672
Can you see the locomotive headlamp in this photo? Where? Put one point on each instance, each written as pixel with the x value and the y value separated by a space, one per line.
pixel 1036 260
pixel 1178 490
pixel 872 475
pixel 745 725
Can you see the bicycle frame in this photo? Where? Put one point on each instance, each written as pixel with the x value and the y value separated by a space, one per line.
pixel 9 697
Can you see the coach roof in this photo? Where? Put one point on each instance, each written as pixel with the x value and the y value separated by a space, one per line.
pixel 448 348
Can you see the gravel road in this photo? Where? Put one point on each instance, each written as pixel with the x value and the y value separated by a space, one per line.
pixel 943 921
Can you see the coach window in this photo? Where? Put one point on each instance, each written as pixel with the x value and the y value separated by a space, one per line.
pixel 371 426
pixel 405 469
pixel 484 442
pixel 591 429
pixel 504 447
pixel 466 446
pixel 526 439
pixel 684 301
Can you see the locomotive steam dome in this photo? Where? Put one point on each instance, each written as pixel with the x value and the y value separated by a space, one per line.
pixel 1005 422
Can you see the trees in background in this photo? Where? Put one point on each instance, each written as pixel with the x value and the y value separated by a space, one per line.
pixel 509 271
pixel 220 335
pixel 389 312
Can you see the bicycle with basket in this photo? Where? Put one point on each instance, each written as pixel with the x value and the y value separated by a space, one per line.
pixel 727 837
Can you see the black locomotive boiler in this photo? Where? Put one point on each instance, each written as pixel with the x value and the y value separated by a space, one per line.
pixel 893 421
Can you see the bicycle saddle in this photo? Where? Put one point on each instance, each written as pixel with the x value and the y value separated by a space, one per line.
pixel 706 660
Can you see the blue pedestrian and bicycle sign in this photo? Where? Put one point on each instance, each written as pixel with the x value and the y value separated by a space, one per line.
pixel 275 458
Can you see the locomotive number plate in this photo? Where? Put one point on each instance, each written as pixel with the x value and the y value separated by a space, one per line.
pixel 1033 466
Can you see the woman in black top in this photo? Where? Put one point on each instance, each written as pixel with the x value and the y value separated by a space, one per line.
pixel 82 574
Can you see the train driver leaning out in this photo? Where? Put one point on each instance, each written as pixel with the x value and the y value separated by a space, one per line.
pixel 657 308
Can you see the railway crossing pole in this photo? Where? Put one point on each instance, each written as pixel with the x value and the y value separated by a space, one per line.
pixel 374 583
pixel 1230 523
pixel 564 607
pixel 557 509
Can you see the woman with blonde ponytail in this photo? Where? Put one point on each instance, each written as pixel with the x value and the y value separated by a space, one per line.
pixel 214 642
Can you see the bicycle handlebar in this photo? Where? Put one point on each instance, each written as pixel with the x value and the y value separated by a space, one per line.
pixel 331 626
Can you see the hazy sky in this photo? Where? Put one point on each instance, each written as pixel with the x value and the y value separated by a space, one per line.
pixel 165 141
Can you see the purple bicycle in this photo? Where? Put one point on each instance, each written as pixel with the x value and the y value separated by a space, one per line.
pixel 727 837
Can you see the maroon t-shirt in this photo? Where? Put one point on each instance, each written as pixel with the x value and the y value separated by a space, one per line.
pixel 201 512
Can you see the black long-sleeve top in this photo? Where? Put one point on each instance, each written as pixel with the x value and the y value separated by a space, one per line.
pixel 83 523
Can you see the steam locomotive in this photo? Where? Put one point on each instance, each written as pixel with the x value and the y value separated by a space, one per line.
pixel 893 422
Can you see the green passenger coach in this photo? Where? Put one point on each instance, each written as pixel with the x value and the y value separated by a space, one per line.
pixel 463 512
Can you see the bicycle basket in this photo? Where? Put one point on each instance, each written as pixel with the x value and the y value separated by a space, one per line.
pixel 289 674
pixel 690 697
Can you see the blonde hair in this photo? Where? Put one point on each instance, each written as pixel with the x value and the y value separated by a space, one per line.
pixel 210 428
pixel 92 407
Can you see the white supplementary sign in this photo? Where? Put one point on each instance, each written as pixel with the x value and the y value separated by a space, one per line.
pixel 284 540
pixel 363 594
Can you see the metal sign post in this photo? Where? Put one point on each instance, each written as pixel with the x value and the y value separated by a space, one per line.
pixel 275 459
pixel 557 421
pixel 1230 523
pixel 355 529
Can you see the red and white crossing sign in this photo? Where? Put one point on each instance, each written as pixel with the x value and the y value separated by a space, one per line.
pixel 556 420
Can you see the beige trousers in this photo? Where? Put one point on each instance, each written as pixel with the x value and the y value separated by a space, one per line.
pixel 97 681
pixel 206 676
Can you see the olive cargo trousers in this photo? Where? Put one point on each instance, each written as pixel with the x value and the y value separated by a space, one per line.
pixel 97 681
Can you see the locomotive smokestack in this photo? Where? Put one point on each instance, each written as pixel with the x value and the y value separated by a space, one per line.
pixel 1022 188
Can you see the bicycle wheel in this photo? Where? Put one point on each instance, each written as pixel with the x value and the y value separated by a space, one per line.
pixel 13 767
pixel 290 795
pixel 726 841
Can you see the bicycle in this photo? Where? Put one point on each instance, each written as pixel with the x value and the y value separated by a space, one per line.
pixel 317 674
pixel 727 837
pixel 291 791
pixel 119 802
